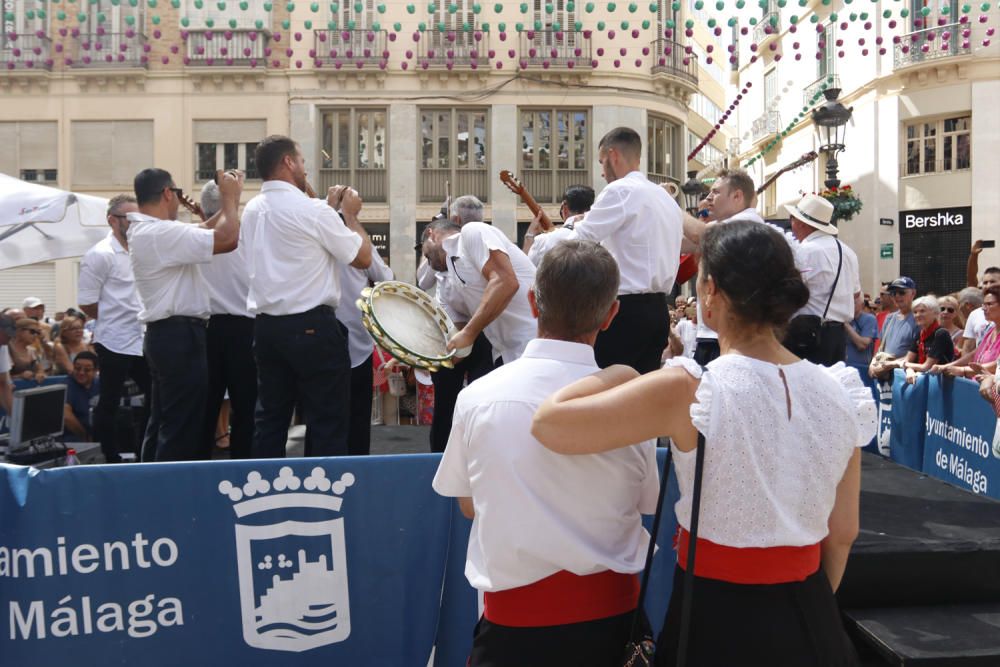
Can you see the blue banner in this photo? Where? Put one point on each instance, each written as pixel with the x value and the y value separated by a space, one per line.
pixel 345 561
pixel 27 384
pixel 962 436
pixel 909 404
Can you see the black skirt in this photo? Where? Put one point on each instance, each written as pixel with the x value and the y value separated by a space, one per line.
pixel 774 625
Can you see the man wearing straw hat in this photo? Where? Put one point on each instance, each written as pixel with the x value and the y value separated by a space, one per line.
pixel 830 271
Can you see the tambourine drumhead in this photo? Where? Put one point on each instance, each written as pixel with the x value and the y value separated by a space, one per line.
pixel 408 324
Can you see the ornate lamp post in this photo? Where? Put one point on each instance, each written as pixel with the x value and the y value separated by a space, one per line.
pixel 694 191
pixel 831 125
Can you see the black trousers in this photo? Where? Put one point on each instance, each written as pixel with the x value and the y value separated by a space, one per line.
pixel 301 359
pixel 637 335
pixel 706 350
pixel 359 428
pixel 599 643
pixel 449 381
pixel 231 368
pixel 116 368
pixel 178 364
pixel 775 625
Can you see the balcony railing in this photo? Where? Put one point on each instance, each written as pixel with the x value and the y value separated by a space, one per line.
pixel 371 184
pixel 555 48
pixel 548 185
pixel 810 91
pixel 931 44
pixel 454 50
pixel 670 58
pixel 25 52
pixel 116 49
pixel 767 125
pixel 225 47
pixel 433 183
pixel 367 47
pixel 765 29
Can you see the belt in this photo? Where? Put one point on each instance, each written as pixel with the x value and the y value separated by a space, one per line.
pixel 317 309
pixel 563 598
pixel 832 324
pixel 643 296
pixel 181 319
pixel 749 565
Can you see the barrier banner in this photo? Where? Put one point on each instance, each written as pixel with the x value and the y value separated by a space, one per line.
pixel 962 436
pixel 909 404
pixel 290 562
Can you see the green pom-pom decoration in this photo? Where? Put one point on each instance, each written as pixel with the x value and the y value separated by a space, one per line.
pixel 548 8
pixel 945 9
pixel 578 26
pixel 557 27
pixel 286 24
pixel 731 22
pixel 538 25
pixel 571 6
pixel 476 8
pixel 314 7
pixel 497 8
pixel 925 11
pixel 259 24
pixel 814 19
pixel 904 12
pixel 645 24
pixel 853 17
pixel 156 19
pixel 699 4
pixel 358 7
pixel 502 27
pixel 61 15
pixel 268 6
pixel 397 26
pixel 101 18
pixel 793 19
pixel 308 24
pixel 410 9
pixel 985 6
pixel 624 25
pixel 833 17
pixel 523 7
pixel 130 20
pixel 720 5
pixel 864 16
pixel 753 20
pixel 887 13
pixel 654 7
pixel 612 6
pixel 689 24
pixel 632 7
pixel 519 27
pixel 589 7
pixel 185 22
pixel 221 5
pixel 452 8
pixel 740 4
pixel 711 23
pixel 600 26
pixel 442 26
pixel 152 5
pixel 422 27
pixel 290 7
pixel 676 6
pixel 485 27
pixel 671 24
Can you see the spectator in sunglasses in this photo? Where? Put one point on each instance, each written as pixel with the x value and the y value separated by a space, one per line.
pixel 951 319
pixel 24 355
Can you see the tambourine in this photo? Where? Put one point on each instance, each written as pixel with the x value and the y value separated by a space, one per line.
pixel 408 324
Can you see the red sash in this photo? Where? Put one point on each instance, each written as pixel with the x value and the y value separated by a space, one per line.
pixel 563 598
pixel 750 565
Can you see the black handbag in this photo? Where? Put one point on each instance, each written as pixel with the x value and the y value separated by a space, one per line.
pixel 802 337
pixel 640 650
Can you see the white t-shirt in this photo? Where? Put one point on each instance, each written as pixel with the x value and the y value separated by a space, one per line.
pixel 818 252
pixel 537 512
pixel 770 479
pixel 545 242
pixel 352 280
pixel 641 226
pixel 294 244
pixel 165 255
pixel 106 279
pixel 688 333
pixel 467 254
pixel 228 280
pixel 976 325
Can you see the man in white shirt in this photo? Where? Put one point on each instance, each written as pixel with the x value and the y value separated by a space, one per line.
pixel 555 560
pixel 106 294
pixel 831 272
pixel 488 280
pixel 295 247
pixel 577 200
pixel 360 348
pixel 7 331
pixel 166 256
pixel 976 323
pixel 729 199
pixel 228 343
pixel 641 226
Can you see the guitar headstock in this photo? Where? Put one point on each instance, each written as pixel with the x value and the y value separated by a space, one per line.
pixel 511 182
pixel 190 204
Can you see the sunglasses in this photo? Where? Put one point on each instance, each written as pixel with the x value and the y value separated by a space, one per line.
pixel 947 309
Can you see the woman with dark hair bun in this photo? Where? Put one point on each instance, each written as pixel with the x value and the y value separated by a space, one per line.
pixel 779 503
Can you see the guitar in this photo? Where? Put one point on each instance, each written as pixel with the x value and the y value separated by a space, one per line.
pixel 191 205
pixel 518 188
pixel 805 159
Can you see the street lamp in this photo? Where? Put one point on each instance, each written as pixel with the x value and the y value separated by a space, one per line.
pixel 694 191
pixel 831 125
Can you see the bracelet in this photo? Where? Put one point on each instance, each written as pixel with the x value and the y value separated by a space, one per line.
pixel 529 235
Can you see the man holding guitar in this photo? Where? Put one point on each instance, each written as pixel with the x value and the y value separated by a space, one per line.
pixel 165 255
pixel 576 202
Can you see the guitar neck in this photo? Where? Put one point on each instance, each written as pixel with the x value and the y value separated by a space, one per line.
pixel 530 202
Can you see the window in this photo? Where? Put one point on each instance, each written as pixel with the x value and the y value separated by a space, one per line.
pixel 227 144
pixel 826 64
pixel 453 153
pixel 110 152
pixel 355 151
pixel 30 150
pixel 554 151
pixel 708 154
pixel 706 108
pixel 562 17
pixel 661 135
pixel 938 146
pixel 770 87
pixel 206 14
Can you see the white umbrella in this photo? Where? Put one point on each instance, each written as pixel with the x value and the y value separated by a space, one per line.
pixel 40 224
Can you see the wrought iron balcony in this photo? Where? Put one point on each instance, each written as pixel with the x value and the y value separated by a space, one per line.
pixel 932 44
pixel 453 49
pixel 114 49
pixel 768 27
pixel 353 47
pixel 816 88
pixel 26 52
pixel 225 47
pixel 669 57
pixel 555 49
pixel 768 124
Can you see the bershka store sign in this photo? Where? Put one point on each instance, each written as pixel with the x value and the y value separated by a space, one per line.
pixel 935 219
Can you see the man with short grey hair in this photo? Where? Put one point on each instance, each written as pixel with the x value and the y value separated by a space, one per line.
pixel 466 208
pixel 581 544
pixel 229 344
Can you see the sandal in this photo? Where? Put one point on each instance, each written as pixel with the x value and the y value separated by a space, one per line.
pixel 222 441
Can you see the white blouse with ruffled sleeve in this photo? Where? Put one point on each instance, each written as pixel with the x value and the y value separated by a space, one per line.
pixel 778 440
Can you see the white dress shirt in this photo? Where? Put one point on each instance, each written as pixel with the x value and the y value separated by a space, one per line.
pixel 467 254
pixel 818 253
pixel 228 280
pixel 106 279
pixel 641 226
pixel 688 333
pixel 537 512
pixel 352 280
pixel 976 325
pixel 545 242
pixel 165 257
pixel 294 244
pixel 750 214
